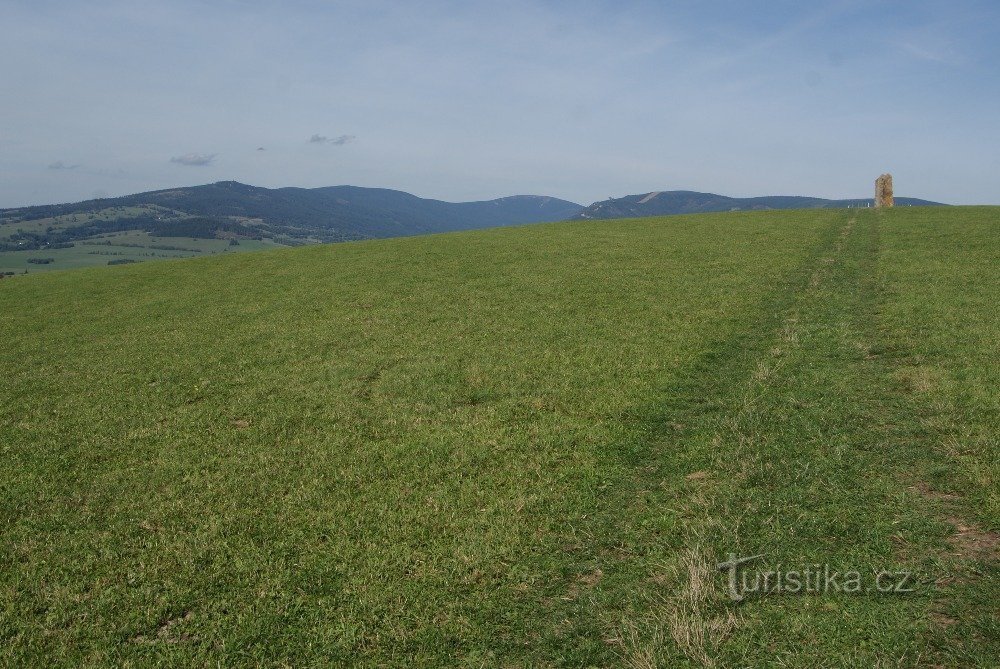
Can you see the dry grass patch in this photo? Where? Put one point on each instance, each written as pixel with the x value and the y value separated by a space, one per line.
pixel 691 617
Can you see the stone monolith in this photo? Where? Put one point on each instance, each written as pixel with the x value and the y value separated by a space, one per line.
pixel 883 191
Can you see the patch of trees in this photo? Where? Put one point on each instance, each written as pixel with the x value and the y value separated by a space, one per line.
pixel 201 228
pixel 193 228
pixel 41 261
pixel 91 228
pixel 90 207
pixel 63 238
pixel 122 261
pixel 168 247
pixel 130 245
pixel 290 241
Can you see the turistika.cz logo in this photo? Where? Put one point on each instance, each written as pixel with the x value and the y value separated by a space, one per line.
pixel 815 579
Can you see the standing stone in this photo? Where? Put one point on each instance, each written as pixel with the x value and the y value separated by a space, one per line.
pixel 883 191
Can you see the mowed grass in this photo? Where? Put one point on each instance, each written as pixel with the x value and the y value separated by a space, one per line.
pixel 514 447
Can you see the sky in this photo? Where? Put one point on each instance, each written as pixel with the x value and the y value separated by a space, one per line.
pixel 475 100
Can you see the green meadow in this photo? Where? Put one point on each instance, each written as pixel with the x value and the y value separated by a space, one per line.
pixel 518 447
pixel 132 246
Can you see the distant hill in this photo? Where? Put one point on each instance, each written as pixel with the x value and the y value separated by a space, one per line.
pixel 232 209
pixel 689 202
pixel 231 217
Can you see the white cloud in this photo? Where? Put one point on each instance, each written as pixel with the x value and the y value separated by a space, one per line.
pixel 336 141
pixel 194 159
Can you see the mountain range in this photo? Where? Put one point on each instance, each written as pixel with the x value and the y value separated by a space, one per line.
pixel 293 216
pixel 689 202
pixel 229 208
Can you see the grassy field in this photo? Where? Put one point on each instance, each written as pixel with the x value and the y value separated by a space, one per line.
pixel 98 250
pixel 514 447
pixel 136 246
pixel 64 221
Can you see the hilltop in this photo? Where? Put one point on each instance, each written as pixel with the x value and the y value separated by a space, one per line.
pixel 663 203
pixel 524 447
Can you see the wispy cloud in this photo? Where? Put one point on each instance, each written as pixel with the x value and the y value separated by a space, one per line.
pixel 775 39
pixel 927 53
pixel 743 98
pixel 60 165
pixel 337 141
pixel 194 159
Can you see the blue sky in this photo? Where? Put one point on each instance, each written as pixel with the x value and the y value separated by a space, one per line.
pixel 474 100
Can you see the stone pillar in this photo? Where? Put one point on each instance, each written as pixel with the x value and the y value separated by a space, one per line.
pixel 883 191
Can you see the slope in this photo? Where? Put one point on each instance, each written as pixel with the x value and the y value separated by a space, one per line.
pixel 516 446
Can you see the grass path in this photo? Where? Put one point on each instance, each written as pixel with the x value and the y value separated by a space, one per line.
pixel 805 443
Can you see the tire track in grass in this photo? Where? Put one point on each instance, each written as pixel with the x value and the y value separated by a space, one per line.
pixel 577 581
pixel 699 424
pixel 794 448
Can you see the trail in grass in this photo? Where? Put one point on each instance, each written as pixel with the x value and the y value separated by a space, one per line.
pixel 793 440
pixel 405 453
pixel 503 448
pixel 625 549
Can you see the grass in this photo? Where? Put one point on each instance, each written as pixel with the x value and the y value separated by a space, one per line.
pixel 514 447
pixel 135 245
pixel 7 227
